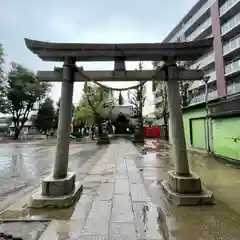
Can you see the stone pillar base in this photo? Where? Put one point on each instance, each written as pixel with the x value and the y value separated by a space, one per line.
pixel 103 140
pixel 186 190
pixel 57 193
pixel 138 140
pixel 138 136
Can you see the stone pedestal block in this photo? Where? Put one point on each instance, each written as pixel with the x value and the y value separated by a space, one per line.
pixel 182 184
pixel 103 140
pixel 40 201
pixel 53 187
pixel 57 193
pixel 137 140
pixel 186 190
pixel 138 137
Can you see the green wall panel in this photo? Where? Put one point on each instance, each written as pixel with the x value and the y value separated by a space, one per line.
pixel 226 137
pixel 187 115
pixel 198 133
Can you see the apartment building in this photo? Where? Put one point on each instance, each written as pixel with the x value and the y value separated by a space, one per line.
pixel 208 18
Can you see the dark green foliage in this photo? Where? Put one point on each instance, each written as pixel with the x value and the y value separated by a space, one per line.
pixel 56 117
pixel 19 93
pixel 44 120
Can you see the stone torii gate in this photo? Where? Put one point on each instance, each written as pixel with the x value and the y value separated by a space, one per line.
pixel 182 187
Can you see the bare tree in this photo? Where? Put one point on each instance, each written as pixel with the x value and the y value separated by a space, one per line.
pixel 137 98
pixel 184 86
pixel 162 111
pixel 187 95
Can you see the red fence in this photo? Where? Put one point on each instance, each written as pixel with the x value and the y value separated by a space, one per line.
pixel 151 132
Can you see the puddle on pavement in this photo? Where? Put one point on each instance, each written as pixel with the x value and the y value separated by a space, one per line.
pixel 25 213
pixel 220 221
pixel 23 230
pixel 196 222
pixel 20 209
pixel 161 218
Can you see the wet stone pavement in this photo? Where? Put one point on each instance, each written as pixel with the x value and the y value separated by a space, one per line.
pixel 23 165
pixel 114 204
pixel 219 221
pixel 123 199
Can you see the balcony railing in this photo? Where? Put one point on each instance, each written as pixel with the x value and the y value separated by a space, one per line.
pixel 232 67
pixel 200 29
pixel 231 24
pixel 204 61
pixel 193 19
pixel 232 45
pixel 227 5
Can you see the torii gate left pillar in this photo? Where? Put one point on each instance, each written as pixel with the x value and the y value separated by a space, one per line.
pixel 64 121
pixel 61 189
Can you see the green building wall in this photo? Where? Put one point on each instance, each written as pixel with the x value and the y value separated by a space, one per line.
pixel 226 137
pixel 224 133
pixel 188 115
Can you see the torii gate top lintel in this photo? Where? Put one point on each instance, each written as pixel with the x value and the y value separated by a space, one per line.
pixel 180 51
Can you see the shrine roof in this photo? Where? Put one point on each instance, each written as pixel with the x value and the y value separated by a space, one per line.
pixel 180 51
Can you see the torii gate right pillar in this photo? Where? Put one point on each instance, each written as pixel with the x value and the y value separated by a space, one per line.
pixel 182 187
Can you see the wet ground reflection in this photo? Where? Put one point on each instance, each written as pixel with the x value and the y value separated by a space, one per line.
pixel 22 165
pixel 220 221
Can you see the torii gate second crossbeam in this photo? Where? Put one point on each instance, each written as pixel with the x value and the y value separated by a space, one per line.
pixel 128 76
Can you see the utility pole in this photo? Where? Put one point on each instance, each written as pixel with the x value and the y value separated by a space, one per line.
pixel 206 80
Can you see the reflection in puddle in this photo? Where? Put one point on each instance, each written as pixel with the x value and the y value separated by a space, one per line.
pixel 161 220
pixel 145 217
pixel 197 222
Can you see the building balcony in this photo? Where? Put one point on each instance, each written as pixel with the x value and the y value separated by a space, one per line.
pixel 198 84
pixel 232 48
pixel 206 62
pixel 202 31
pixel 195 20
pixel 233 68
pixel 229 9
pixel 231 28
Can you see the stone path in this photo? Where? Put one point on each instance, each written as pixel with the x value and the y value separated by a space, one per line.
pixel 118 206
pixel 115 203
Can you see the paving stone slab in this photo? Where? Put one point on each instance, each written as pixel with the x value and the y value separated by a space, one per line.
pixel 138 193
pixel 83 207
pixel 134 177
pixel 63 229
pixel 122 209
pixel 146 221
pixel 121 186
pixel 98 219
pixel 105 191
pixel 122 231
pixel 93 238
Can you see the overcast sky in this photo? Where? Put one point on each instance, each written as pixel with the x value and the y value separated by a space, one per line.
pixel 105 21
